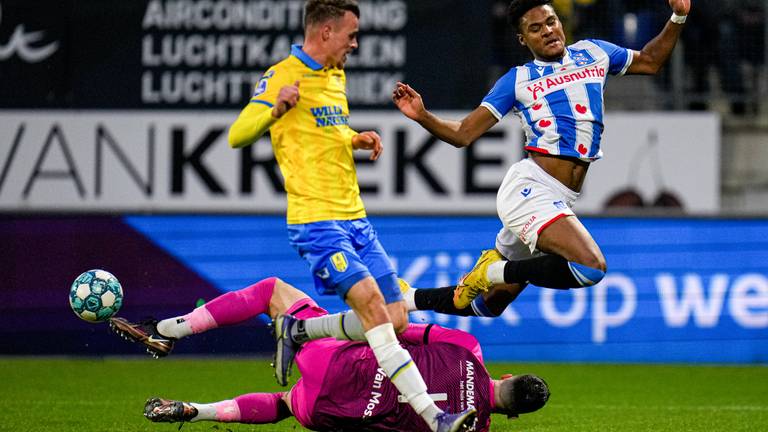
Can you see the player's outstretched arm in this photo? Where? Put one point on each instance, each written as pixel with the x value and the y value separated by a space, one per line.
pixel 655 53
pixel 457 133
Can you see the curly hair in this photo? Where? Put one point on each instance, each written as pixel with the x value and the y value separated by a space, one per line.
pixel 518 8
pixel 319 11
pixel 523 394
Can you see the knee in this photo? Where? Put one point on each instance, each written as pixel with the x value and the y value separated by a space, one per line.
pixel 600 264
pixel 594 261
pixel 265 287
pixel 587 275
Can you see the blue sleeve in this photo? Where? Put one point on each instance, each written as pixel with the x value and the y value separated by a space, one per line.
pixel 619 58
pixel 502 97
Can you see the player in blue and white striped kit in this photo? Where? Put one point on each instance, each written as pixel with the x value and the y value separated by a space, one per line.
pixel 559 99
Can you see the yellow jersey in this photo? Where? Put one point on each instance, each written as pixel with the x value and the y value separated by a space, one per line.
pixel 313 141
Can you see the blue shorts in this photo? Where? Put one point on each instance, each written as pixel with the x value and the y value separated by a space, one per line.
pixel 341 253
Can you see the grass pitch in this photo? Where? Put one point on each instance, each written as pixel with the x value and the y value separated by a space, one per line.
pixel 83 395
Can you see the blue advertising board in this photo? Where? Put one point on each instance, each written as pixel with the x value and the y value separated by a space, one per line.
pixel 677 290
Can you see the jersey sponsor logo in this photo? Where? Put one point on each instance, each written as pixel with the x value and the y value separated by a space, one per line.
pixel 547 85
pixel 329 115
pixel 559 204
pixel 470 385
pixel 339 261
pixel 375 399
pixel 22 43
pixel 527 191
pixel 468 390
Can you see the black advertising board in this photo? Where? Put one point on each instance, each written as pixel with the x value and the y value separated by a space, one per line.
pixel 193 54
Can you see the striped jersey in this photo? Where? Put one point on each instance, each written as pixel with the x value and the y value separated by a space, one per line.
pixel 560 104
pixel 313 141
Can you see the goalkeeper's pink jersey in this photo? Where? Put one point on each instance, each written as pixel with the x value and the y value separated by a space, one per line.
pixel 343 388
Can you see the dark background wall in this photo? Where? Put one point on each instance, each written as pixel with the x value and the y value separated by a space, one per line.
pixel 109 53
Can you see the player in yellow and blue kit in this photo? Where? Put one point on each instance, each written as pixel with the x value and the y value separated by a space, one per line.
pixel 302 102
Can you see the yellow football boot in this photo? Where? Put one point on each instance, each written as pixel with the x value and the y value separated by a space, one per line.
pixel 404 286
pixel 476 281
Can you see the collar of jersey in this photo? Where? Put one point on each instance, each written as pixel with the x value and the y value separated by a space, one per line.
pixel 299 53
pixel 558 62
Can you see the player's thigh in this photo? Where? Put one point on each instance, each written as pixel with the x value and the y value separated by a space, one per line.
pixel 569 238
pixel 536 211
pixel 528 202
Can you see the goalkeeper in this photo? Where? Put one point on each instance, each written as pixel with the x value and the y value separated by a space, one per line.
pixel 342 387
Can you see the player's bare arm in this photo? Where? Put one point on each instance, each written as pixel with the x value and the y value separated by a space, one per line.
pixel 655 53
pixel 368 140
pixel 459 133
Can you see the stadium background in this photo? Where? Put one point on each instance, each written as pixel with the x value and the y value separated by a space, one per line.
pixel 113 155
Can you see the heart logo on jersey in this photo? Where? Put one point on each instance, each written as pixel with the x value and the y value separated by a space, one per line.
pixel 581 109
pixel 545 123
pixel 536 107
pixel 583 149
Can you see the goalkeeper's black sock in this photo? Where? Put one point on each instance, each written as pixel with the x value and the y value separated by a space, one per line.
pixel 551 271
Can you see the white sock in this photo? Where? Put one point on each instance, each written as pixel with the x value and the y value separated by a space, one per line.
pixel 402 371
pixel 495 272
pixel 410 299
pixel 342 326
pixel 176 327
pixel 204 411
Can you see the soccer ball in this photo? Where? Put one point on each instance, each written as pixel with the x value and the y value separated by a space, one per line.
pixel 96 295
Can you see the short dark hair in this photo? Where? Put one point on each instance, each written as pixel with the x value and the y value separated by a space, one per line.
pixel 518 8
pixel 523 394
pixel 319 11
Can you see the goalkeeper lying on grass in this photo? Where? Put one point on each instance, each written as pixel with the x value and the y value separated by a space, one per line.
pixel 341 386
